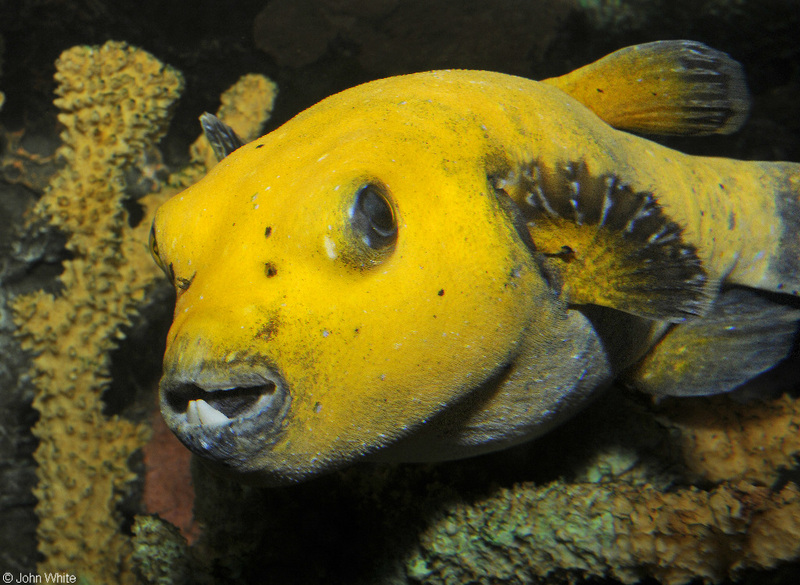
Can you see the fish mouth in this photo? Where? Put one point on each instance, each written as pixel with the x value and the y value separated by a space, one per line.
pixel 230 419
pixel 220 406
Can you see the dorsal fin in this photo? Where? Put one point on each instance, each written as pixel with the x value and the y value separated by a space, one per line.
pixel 222 138
pixel 608 244
pixel 664 87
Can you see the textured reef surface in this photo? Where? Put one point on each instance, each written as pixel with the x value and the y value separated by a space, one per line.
pixel 684 490
pixel 115 103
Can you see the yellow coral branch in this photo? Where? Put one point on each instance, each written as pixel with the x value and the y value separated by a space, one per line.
pixel 115 102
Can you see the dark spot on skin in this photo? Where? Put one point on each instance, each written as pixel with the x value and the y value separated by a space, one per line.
pixel 566 254
pixel 722 186
pixel 259 145
pixel 356 329
pixel 270 270
pixel 268 330
pixel 184 283
pixel 599 90
pixel 268 232
pixel 317 407
pixel 441 293
pixel 178 282
pixel 731 221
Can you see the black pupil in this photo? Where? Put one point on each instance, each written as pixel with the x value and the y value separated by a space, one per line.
pixel 373 218
pixel 377 211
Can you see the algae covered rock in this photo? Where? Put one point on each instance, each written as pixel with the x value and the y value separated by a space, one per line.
pixel 160 553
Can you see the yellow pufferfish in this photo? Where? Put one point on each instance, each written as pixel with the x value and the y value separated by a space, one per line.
pixel 442 264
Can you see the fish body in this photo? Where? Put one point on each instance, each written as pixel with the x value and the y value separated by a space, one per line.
pixel 442 264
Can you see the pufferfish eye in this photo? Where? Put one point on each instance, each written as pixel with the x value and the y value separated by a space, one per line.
pixel 373 217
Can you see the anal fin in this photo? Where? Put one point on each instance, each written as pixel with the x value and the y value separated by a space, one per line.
pixel 665 87
pixel 607 244
pixel 744 335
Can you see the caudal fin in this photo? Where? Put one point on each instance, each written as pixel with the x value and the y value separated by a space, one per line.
pixel 783 271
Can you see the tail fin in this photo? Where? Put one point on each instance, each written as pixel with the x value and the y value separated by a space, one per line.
pixel 746 332
pixel 783 271
pixel 760 238
pixel 665 87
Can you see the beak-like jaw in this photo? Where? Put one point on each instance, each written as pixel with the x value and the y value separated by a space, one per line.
pixel 227 413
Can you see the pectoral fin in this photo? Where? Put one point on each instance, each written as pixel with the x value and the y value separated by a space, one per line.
pixel 743 335
pixel 609 245
pixel 665 87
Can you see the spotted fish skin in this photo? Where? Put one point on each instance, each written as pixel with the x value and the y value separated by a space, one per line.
pixel 442 264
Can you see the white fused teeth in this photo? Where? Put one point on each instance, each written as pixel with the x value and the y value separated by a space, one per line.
pixel 200 412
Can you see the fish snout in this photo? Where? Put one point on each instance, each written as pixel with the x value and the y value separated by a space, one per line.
pixel 225 412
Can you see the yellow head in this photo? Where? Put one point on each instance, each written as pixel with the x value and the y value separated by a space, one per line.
pixel 343 281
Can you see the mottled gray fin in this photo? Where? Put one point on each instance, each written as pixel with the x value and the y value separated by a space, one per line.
pixel 664 87
pixel 744 334
pixel 222 138
pixel 608 244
